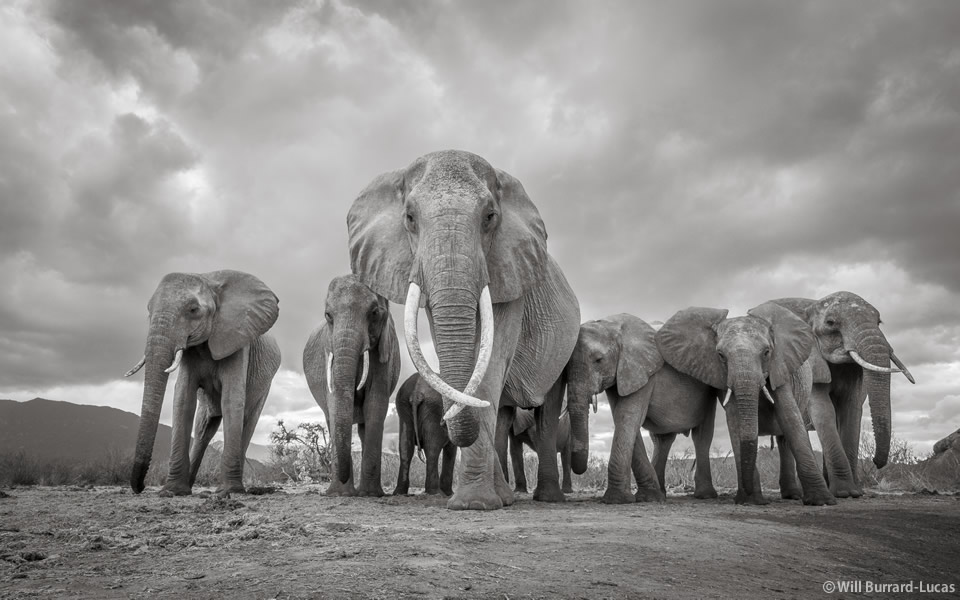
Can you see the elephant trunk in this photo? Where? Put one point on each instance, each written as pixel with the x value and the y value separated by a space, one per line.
pixel 872 346
pixel 346 358
pixel 455 326
pixel 158 357
pixel 746 389
pixel 578 408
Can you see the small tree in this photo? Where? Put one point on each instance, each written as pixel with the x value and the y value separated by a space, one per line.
pixel 302 453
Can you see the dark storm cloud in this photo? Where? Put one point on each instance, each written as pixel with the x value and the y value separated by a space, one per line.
pixel 697 153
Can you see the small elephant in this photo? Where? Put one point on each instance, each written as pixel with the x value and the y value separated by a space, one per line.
pixel 212 327
pixel 522 431
pixel 352 364
pixel 851 364
pixel 420 408
pixel 619 355
pixel 764 353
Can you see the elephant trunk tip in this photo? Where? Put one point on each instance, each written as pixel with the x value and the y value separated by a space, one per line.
pixel 578 462
pixel 138 476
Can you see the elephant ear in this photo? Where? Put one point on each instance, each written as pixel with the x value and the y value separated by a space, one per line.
pixel 517 259
pixel 639 356
pixel 388 347
pixel 246 309
pixel 792 341
pixel 688 342
pixel 802 307
pixel 522 420
pixel 380 253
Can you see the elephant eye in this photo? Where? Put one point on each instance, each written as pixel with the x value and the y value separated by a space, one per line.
pixel 766 352
pixel 722 356
pixel 831 322
pixel 411 222
pixel 329 317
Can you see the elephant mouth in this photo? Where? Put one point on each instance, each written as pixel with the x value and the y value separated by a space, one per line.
pixel 363 374
pixel 460 399
pixel 173 366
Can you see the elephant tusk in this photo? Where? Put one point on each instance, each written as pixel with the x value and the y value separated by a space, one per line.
pixel 906 371
pixel 870 366
pixel 767 393
pixel 329 372
pixel 366 369
pixel 726 398
pixel 411 311
pixel 136 367
pixel 594 404
pixel 176 361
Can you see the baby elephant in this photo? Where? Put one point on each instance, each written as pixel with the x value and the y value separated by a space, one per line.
pixel 524 431
pixel 352 364
pixel 420 410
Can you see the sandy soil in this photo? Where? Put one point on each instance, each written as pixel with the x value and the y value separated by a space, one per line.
pixel 109 543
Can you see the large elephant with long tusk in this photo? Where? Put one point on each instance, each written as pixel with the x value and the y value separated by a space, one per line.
pixel 211 326
pixel 352 364
pixel 851 364
pixel 463 239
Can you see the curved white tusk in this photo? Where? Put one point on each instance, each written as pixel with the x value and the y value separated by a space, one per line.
pixel 136 367
pixel 906 371
pixel 767 393
pixel 594 404
pixel 483 356
pixel 416 355
pixel 726 398
pixel 870 366
pixel 329 372
pixel 366 369
pixel 176 361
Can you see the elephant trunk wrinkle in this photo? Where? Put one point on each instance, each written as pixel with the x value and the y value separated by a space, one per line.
pixel 159 353
pixel 877 387
pixel 456 341
pixel 345 358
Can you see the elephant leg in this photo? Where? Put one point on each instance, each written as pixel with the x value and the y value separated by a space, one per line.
pixel 406 445
pixel 815 489
pixel 662 442
pixel 648 486
pixel 233 399
pixel 371 436
pixel 548 421
pixel 446 471
pixel 567 486
pixel 839 474
pixel 849 415
pixel 789 484
pixel 626 426
pixel 504 422
pixel 516 458
pixel 206 426
pixel 432 483
pixel 184 407
pixel 733 427
pixel 702 440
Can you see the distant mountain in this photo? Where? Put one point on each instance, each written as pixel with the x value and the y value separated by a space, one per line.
pixel 48 429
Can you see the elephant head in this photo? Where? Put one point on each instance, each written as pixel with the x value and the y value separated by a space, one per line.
pixel 848 331
pixel 616 353
pixel 358 321
pixel 223 310
pixel 466 235
pixel 740 355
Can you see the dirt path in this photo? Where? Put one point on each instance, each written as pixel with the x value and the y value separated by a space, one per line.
pixel 108 543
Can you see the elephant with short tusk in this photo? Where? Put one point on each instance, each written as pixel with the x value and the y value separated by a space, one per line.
pixel 618 355
pixel 352 364
pixel 520 427
pixel 761 360
pixel 420 409
pixel 463 239
pixel 851 363
pixel 212 328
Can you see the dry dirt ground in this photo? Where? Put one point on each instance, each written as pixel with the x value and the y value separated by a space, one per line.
pixel 296 543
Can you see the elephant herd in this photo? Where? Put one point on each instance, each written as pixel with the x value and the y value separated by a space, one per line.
pixel 453 235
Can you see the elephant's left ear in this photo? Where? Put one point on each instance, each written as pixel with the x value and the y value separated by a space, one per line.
pixel 517 259
pixel 388 347
pixel 246 309
pixel 639 356
pixel 792 341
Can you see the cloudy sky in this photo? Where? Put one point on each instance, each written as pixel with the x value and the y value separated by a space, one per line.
pixel 695 153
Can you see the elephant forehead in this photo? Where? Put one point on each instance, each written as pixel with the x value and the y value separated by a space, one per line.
pixel 454 173
pixel 743 330
pixel 179 286
pixel 346 291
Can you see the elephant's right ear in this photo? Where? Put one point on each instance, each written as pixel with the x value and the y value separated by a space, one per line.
pixel 688 342
pixel 389 348
pixel 792 341
pixel 380 253
pixel 246 309
pixel 802 307
pixel 517 259
pixel 639 356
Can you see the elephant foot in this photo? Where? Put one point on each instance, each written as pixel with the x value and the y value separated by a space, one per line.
pixel 618 496
pixel 447 491
pixel 648 495
pixel 174 488
pixel 475 497
pixel 401 490
pixel 230 488
pixel 548 491
pixel 520 490
pixel 503 490
pixel 791 494
pixel 845 489
pixel 705 493
pixel 756 498
pixel 567 488
pixel 819 498
pixel 370 491
pixel 431 492
pixel 339 489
